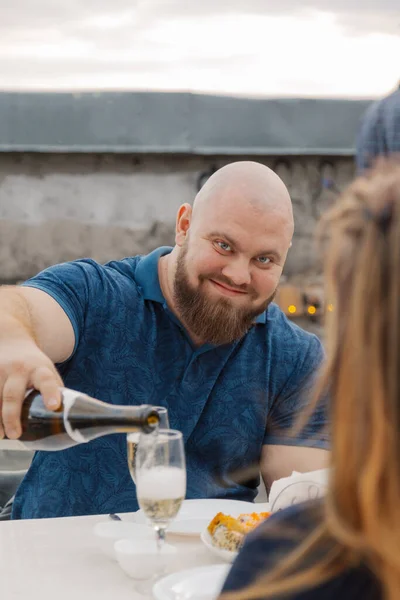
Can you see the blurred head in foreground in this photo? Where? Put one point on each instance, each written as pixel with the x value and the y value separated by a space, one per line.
pixel 359 521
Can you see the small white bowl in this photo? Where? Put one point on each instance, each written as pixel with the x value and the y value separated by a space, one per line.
pixel 108 532
pixel 226 555
pixel 140 559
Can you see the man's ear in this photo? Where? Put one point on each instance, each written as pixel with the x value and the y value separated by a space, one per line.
pixel 183 220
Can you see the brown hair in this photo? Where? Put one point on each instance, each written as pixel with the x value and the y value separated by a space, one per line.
pixel 360 520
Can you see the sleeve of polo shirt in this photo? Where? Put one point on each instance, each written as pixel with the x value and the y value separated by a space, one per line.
pixel 293 399
pixel 73 285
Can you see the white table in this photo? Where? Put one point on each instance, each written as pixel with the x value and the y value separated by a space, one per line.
pixel 59 559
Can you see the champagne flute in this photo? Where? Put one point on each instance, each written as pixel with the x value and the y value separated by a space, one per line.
pixel 133 439
pixel 161 478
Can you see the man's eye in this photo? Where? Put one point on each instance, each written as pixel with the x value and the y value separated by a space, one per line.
pixel 224 246
pixel 264 260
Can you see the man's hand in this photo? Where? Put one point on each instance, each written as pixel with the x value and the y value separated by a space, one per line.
pixel 23 366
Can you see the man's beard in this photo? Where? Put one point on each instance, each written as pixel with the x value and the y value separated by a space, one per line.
pixel 212 321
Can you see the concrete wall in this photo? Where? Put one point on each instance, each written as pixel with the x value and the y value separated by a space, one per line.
pixel 55 208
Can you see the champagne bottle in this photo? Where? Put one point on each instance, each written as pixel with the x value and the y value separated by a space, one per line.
pixel 79 419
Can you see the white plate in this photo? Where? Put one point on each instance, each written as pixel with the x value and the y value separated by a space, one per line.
pixel 202 583
pixel 227 555
pixel 195 515
pixel 189 527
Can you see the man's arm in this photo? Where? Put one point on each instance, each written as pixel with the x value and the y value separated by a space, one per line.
pixel 279 461
pixel 51 327
pixel 295 438
pixel 41 323
pixel 35 333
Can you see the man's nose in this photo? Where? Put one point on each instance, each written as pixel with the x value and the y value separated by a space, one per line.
pixel 238 272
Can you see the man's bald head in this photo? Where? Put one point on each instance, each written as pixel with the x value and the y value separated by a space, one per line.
pixel 230 250
pixel 245 182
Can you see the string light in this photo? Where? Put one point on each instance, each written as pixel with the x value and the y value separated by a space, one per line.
pixel 292 309
pixel 330 307
pixel 311 310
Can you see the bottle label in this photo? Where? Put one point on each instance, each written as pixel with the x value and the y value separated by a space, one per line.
pixel 69 399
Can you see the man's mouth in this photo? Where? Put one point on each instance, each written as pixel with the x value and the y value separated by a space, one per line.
pixel 226 289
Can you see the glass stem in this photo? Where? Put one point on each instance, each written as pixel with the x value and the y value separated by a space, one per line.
pixel 160 533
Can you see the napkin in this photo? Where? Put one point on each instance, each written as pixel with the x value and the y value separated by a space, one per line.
pixel 298 487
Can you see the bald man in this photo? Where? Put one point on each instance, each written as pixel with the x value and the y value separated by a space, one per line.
pixel 191 328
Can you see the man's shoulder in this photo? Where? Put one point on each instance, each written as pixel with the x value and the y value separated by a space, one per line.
pixel 86 275
pixel 286 333
pixel 289 346
pixel 91 268
pixel 122 270
pixel 125 267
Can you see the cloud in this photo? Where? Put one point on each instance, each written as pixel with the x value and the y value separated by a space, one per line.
pixel 357 16
pixel 232 46
pixel 27 14
pixel 375 16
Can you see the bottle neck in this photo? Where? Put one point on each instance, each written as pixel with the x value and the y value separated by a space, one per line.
pixel 123 422
pixel 86 418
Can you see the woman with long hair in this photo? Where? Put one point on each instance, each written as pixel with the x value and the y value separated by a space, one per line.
pixel 347 546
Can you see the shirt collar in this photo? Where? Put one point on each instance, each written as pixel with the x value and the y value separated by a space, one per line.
pixel 147 278
pixel 147 274
pixel 261 318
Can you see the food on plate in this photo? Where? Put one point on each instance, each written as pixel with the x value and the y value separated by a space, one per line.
pixel 228 532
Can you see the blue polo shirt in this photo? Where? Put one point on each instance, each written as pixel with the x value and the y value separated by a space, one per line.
pixel 130 349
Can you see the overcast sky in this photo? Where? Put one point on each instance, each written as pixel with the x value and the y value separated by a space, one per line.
pixel 246 47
